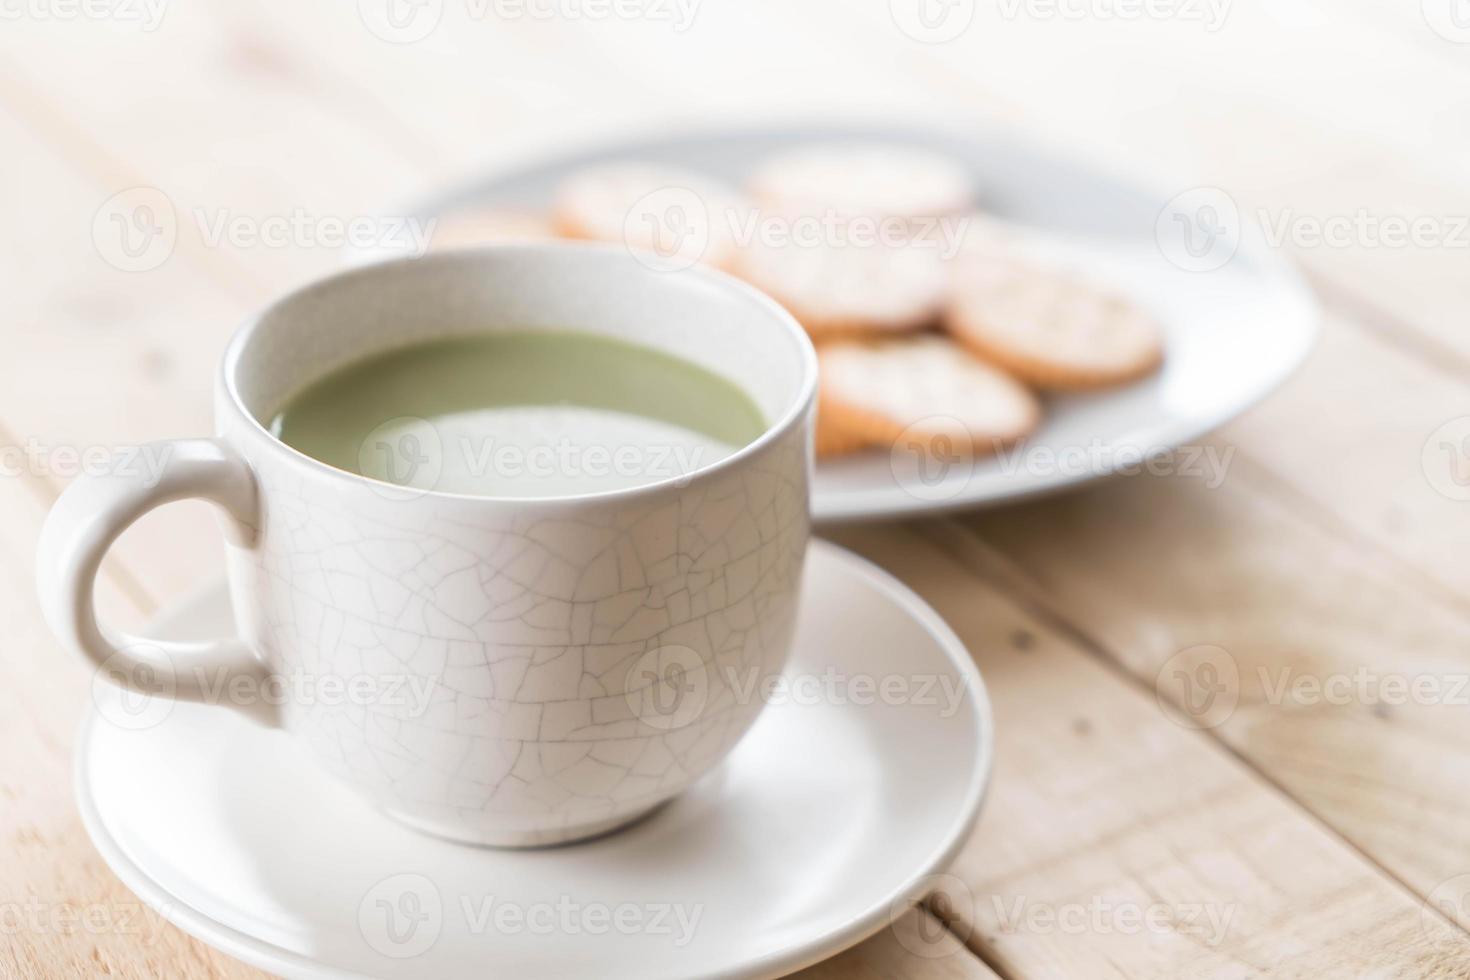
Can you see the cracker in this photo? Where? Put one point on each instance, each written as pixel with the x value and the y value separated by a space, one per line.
pixel 923 387
pixel 682 216
pixel 832 438
pixel 468 227
pixel 1049 327
pixel 849 290
pixel 984 235
pixel 873 179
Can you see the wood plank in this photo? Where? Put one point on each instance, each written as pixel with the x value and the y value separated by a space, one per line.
pixel 100 358
pixel 234 134
pixel 916 947
pixel 1148 569
pixel 1354 436
pixel 1102 808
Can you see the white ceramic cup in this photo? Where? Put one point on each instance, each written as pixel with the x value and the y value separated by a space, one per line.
pixel 502 671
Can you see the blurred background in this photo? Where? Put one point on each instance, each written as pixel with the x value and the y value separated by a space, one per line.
pixel 213 116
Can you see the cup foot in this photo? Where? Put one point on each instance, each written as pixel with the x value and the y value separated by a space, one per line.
pixel 520 838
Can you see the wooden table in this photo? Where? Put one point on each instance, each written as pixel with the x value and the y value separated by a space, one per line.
pixel 1326 834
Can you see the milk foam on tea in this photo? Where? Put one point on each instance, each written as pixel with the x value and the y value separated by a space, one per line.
pixel 523 414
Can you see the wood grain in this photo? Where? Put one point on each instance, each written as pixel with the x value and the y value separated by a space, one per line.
pixel 1353 436
pixel 1327 550
pixel 1157 815
pixel 916 947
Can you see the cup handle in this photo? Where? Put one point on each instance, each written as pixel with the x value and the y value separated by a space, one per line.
pixel 87 519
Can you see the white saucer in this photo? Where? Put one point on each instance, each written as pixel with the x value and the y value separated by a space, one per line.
pixel 821 824
pixel 1233 333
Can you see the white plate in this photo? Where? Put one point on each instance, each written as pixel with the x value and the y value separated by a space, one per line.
pixel 1233 334
pixel 818 829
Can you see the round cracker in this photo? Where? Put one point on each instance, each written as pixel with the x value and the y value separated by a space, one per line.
pixel 921 387
pixel 466 228
pixel 873 179
pixel 849 290
pixel 1049 327
pixel 682 216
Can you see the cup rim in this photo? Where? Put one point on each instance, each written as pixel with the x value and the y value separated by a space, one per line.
pixel 773 431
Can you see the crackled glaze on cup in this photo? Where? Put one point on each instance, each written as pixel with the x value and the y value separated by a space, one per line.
pixel 580 659
pixel 536 626
pixel 533 624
